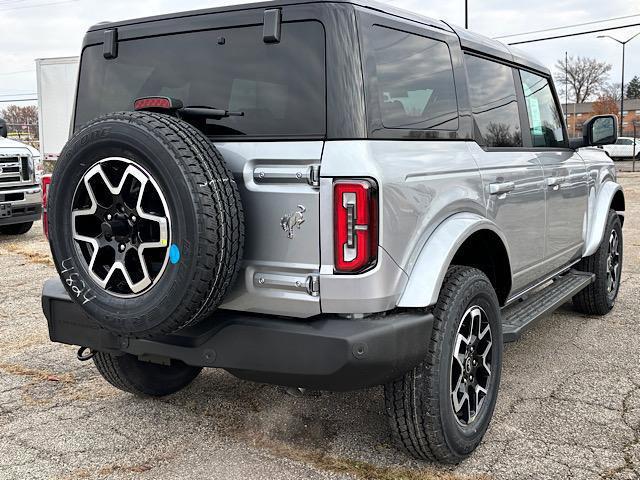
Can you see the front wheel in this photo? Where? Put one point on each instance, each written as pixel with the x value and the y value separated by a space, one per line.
pixel 600 297
pixel 440 410
pixel 127 373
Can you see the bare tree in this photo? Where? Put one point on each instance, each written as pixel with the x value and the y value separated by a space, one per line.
pixel 585 76
pixel 20 115
pixel 611 91
pixel 21 119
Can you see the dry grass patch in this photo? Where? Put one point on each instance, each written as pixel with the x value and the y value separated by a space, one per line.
pixel 359 469
pixel 37 374
pixel 31 256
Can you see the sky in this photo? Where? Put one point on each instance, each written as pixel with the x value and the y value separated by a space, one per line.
pixel 31 29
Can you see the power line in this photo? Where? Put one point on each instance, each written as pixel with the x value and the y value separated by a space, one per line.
pixel 567 26
pixel 567 35
pixel 17 93
pixel 38 5
pixel 16 73
pixel 15 100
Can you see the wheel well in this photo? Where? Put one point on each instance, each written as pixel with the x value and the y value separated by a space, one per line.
pixel 618 203
pixel 485 251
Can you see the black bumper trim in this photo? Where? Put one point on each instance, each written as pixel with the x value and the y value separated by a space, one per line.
pixel 326 353
pixel 16 218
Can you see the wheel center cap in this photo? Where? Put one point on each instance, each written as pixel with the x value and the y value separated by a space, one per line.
pixel 119 228
pixel 468 365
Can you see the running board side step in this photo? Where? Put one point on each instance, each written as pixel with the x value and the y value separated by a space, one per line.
pixel 522 315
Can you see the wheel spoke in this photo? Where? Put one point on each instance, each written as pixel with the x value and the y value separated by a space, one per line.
pixel 486 354
pixel 459 401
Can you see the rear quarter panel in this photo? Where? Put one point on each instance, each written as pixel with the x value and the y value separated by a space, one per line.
pixel 421 183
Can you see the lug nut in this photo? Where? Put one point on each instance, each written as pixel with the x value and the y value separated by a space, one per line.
pixel 134 219
pixel 122 247
pixel 109 217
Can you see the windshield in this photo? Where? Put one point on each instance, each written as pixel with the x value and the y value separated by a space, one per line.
pixel 279 87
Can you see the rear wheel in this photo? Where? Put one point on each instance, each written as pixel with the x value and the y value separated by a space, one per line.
pixel 441 409
pixel 131 375
pixel 600 297
pixel 17 229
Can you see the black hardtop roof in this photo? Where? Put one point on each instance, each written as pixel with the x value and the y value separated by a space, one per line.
pixel 370 4
pixel 468 39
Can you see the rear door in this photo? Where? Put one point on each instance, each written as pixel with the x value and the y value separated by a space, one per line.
pixel 564 170
pixel 512 175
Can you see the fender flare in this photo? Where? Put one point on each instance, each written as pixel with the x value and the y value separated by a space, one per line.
pixel 598 216
pixel 431 266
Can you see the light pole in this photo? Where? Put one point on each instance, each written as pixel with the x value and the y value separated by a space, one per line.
pixel 624 44
pixel 466 14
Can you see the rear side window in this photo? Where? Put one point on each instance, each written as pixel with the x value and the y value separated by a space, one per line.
pixel 494 102
pixel 280 87
pixel 415 81
pixel 545 120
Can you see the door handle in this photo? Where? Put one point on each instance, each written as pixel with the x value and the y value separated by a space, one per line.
pixel 556 181
pixel 501 188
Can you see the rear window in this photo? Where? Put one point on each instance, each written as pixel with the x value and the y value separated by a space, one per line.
pixel 492 91
pixel 279 87
pixel 415 81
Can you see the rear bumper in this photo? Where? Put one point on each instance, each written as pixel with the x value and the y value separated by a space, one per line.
pixel 326 353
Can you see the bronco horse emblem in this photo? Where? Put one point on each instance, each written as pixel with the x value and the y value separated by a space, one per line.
pixel 290 222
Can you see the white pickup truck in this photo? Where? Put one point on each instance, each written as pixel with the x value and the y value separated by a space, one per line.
pixel 20 198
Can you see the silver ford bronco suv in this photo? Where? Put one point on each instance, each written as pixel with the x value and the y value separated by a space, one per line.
pixel 324 194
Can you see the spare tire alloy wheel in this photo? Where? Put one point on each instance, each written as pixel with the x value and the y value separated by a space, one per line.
pixel 146 224
pixel 471 365
pixel 121 225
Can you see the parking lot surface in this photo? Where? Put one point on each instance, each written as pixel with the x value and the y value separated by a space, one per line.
pixel 569 404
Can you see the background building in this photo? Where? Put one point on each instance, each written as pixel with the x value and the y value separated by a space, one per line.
pixel 579 113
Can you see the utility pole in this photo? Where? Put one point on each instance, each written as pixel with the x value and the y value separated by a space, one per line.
pixel 566 88
pixel 624 45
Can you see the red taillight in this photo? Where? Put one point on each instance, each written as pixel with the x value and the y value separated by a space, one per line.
pixel 46 181
pixel 356 225
pixel 157 103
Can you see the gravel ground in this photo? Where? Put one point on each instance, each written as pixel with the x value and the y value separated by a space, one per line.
pixel 569 405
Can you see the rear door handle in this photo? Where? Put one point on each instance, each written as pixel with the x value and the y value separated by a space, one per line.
pixel 501 188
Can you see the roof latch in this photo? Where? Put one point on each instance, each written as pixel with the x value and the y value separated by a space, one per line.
pixel 111 43
pixel 272 25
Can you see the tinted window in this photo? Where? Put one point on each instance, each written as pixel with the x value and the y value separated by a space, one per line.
pixel 545 120
pixel 415 81
pixel 494 102
pixel 279 87
pixel 624 141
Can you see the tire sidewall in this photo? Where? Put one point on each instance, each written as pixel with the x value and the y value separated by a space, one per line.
pixel 113 138
pixel 464 439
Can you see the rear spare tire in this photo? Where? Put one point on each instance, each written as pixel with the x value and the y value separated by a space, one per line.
pixel 145 223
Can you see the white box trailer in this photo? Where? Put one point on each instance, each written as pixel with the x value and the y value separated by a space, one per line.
pixel 57 79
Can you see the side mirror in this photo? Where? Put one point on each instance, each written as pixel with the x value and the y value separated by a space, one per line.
pixel 600 130
pixel 3 129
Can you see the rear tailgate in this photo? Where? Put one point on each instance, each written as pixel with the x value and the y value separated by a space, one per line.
pixel 281 197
